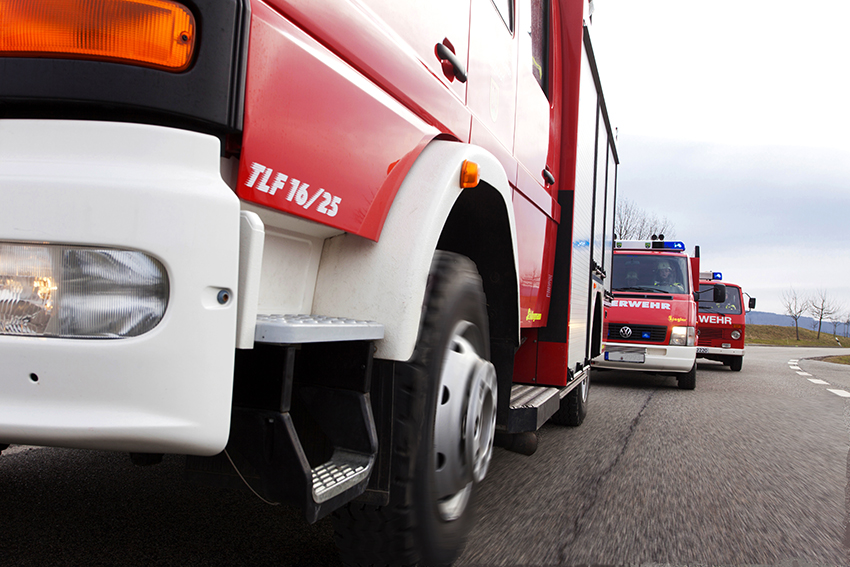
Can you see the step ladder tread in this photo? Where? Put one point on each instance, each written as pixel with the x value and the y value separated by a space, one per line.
pixel 296 329
pixel 344 470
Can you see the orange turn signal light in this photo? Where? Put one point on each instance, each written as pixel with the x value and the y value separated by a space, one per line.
pixel 150 33
pixel 469 174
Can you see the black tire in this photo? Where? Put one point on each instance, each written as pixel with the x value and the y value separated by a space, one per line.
pixel 736 363
pixel 444 424
pixel 688 380
pixel 574 405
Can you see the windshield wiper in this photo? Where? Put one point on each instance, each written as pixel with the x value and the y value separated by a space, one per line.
pixel 641 288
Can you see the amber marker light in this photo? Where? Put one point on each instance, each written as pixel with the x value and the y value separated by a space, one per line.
pixel 469 174
pixel 150 33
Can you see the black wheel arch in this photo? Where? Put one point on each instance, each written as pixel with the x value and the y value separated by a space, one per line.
pixel 479 228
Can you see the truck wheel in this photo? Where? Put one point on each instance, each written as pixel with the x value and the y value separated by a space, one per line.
pixel 444 424
pixel 574 405
pixel 735 363
pixel 688 380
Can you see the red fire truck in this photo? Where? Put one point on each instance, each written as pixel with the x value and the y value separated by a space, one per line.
pixel 651 323
pixel 721 325
pixel 325 249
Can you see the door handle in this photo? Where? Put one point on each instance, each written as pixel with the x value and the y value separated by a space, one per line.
pixel 547 175
pixel 446 54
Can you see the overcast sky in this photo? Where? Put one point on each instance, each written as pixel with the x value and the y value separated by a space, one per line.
pixel 733 123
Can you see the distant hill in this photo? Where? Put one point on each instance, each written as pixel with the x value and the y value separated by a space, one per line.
pixel 765 318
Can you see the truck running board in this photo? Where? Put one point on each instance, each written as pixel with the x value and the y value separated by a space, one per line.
pixel 532 406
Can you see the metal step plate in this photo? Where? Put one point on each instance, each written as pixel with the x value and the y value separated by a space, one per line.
pixel 531 406
pixel 297 329
pixel 531 396
pixel 344 470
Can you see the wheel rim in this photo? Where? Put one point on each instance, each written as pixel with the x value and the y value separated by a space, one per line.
pixel 584 389
pixel 464 421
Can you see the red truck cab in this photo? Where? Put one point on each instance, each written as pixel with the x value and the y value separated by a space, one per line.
pixel 721 325
pixel 651 322
pixel 337 245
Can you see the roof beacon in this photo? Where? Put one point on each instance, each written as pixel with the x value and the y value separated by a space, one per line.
pixel 673 245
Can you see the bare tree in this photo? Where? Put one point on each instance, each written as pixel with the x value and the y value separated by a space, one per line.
pixel 794 307
pixel 846 322
pixel 835 320
pixel 820 306
pixel 633 223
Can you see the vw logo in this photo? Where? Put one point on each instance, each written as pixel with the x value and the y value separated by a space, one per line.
pixel 625 332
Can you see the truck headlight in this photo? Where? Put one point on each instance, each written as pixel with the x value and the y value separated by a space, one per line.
pixel 683 336
pixel 736 334
pixel 79 292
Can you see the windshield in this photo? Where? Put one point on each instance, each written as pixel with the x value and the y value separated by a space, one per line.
pixel 650 273
pixel 732 305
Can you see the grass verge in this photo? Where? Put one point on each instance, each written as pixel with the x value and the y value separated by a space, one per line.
pixel 787 336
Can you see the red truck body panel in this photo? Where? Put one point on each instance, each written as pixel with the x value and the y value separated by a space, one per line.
pixel 351 182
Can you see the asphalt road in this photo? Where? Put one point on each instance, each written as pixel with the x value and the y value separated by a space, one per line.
pixel 749 468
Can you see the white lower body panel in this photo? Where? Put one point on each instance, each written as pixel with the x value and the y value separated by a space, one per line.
pixel 137 187
pixel 646 358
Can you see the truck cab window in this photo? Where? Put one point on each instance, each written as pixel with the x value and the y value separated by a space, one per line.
pixel 732 305
pixel 539 32
pixel 667 274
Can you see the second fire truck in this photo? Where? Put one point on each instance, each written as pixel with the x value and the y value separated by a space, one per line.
pixel 721 326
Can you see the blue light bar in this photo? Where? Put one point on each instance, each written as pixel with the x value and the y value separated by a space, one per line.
pixel 716 276
pixel 675 245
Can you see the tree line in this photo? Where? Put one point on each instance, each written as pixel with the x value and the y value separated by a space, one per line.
pixel 819 306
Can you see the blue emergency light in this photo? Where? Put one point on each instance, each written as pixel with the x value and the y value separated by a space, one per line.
pixel 675 245
pixel 716 276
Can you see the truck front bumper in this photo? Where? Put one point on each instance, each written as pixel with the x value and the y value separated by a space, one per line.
pixel 703 351
pixel 131 187
pixel 646 358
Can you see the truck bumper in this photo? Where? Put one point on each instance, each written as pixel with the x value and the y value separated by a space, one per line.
pixel 646 358
pixel 128 187
pixel 703 351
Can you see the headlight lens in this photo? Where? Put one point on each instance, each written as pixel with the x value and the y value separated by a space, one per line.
pixel 79 292
pixel 736 334
pixel 683 336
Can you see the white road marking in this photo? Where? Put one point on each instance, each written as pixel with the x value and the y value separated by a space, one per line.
pixel 818 381
pixel 794 368
pixel 793 361
pixel 803 373
pixel 841 393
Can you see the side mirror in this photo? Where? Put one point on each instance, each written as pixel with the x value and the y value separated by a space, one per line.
pixel 752 303
pixel 719 293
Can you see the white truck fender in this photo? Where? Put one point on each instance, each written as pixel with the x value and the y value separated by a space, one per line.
pixel 386 280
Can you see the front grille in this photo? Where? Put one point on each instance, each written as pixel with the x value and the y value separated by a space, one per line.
pixel 705 336
pixel 640 333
